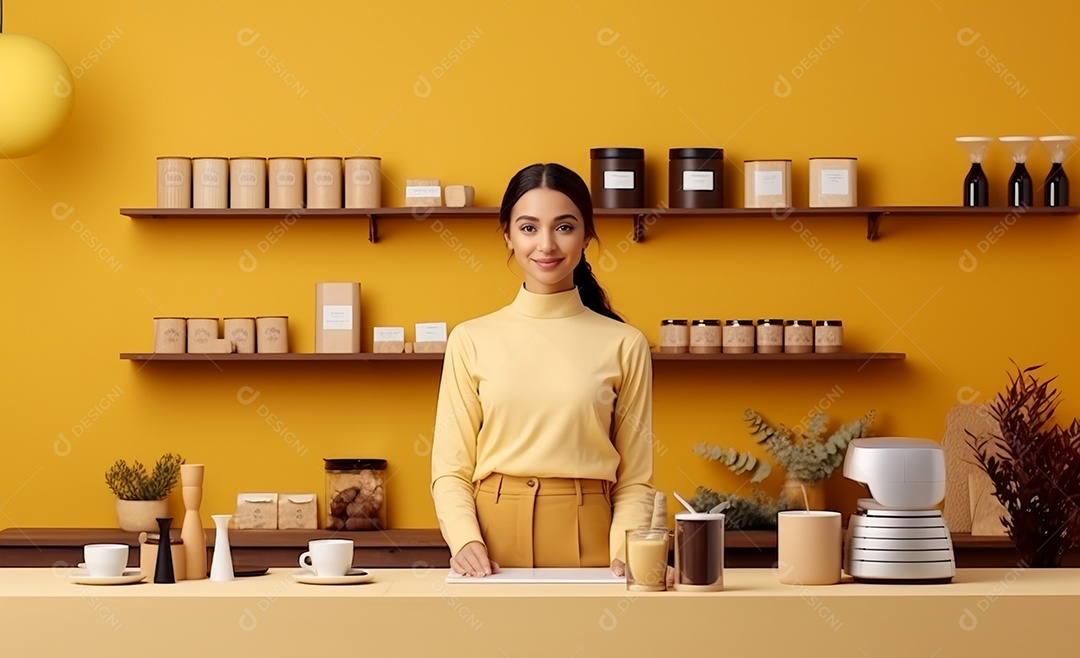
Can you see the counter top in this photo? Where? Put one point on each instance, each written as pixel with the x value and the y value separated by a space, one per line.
pixel 984 612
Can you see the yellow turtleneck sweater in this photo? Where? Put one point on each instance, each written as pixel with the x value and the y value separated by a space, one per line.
pixel 543 387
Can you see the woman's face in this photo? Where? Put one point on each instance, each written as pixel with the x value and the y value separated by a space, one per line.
pixel 547 236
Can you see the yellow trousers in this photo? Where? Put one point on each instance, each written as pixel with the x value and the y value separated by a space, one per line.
pixel 544 522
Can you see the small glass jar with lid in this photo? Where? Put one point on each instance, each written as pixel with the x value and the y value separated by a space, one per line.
pixel 798 336
pixel 674 336
pixel 738 337
pixel 770 336
pixel 355 496
pixel 828 336
pixel 705 337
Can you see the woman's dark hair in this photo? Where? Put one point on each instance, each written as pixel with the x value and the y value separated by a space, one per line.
pixel 561 179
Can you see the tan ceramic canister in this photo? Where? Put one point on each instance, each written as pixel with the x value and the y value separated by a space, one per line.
pixel 324 183
pixel 241 333
pixel 174 182
pixel 705 337
pixel 210 183
pixel 247 182
pixel 170 335
pixel 738 337
pixel 286 182
pixel 828 336
pixel 200 333
pixel 674 336
pixel 363 182
pixel 809 547
pixel 770 336
pixel 833 182
pixel 798 336
pixel 272 334
pixel 768 183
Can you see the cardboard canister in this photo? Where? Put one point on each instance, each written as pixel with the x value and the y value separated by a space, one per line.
pixel 324 183
pixel 201 332
pixel 174 182
pixel 272 334
pixel 768 183
pixel 210 183
pixel 170 335
pixel 363 182
pixel 286 182
pixel 241 332
pixel 247 182
pixel 833 182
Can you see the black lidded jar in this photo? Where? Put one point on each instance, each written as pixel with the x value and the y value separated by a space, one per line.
pixel 696 178
pixel 618 177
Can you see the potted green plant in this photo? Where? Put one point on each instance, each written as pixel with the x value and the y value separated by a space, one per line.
pixel 141 497
pixel 1033 463
pixel 808 459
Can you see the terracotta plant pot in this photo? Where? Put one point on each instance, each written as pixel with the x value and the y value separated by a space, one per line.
pixel 140 515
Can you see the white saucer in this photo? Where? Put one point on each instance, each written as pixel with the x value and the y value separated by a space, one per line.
pixel 351 577
pixel 128 577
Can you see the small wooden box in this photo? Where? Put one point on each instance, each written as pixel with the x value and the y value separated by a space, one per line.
pixel 421 192
pixel 256 511
pixel 297 511
pixel 388 340
pixel 460 196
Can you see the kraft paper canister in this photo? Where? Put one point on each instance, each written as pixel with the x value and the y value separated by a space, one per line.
pixel 210 183
pixel 272 334
pixel 286 182
pixel 170 335
pixel 201 332
pixel 247 183
pixel 324 183
pixel 363 182
pixel 833 182
pixel 768 183
pixel 174 182
pixel 809 547
pixel 241 333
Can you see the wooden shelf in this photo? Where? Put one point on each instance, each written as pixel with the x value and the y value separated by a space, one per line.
pixel 368 356
pixel 290 356
pixel 643 218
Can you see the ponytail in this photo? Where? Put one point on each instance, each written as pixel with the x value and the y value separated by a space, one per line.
pixel 592 295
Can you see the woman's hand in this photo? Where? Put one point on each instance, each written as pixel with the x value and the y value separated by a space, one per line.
pixel 618 567
pixel 472 560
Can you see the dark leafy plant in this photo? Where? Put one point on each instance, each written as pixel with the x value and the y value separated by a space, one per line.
pixel 133 483
pixel 1034 465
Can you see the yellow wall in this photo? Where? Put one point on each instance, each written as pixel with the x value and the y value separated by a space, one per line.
pixel 470 94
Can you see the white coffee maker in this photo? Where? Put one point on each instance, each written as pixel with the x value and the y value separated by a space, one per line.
pixel 898 535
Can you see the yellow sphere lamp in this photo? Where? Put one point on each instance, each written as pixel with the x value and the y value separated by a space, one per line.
pixel 36 94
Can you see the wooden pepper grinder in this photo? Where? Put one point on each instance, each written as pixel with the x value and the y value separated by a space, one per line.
pixel 191 476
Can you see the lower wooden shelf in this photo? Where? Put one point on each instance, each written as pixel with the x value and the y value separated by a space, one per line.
pixel 405 548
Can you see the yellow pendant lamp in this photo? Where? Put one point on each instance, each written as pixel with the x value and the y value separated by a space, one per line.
pixel 36 93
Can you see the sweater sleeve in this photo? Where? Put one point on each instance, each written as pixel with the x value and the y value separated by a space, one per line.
pixel 453 452
pixel 631 431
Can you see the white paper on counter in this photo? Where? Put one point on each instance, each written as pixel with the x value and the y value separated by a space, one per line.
pixel 599 575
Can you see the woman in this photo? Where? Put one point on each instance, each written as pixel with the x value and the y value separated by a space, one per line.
pixel 542 453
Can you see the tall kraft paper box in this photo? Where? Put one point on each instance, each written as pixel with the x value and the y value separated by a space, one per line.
pixel 337 318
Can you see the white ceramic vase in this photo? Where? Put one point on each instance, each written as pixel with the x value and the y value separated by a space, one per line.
pixel 221 567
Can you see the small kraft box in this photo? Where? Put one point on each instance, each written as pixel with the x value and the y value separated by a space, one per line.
pixel 420 192
pixel 388 340
pixel 430 338
pixel 833 183
pixel 256 511
pixel 297 511
pixel 337 318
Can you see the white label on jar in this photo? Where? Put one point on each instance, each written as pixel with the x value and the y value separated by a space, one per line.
pixel 361 177
pixel 835 181
pixel 248 179
pixel 769 183
pixel 337 316
pixel 174 178
pixel 430 331
pixel 423 192
pixel 618 180
pixel 698 181
pixel 390 334
pixel 324 178
pixel 286 179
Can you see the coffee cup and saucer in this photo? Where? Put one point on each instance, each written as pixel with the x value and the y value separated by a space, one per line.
pixel 329 562
pixel 106 564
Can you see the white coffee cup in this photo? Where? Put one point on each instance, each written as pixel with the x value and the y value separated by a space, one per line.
pixel 105 560
pixel 328 557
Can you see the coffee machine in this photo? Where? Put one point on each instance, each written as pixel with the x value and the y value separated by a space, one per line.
pixel 899 535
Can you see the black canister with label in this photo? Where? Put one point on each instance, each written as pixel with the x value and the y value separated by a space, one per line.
pixel 696 178
pixel 618 177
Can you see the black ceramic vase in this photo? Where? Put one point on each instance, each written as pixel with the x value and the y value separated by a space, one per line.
pixel 163 572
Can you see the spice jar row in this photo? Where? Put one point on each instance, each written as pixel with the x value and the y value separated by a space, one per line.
pixel 767 336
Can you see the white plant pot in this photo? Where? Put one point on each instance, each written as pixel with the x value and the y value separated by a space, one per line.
pixel 141 515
